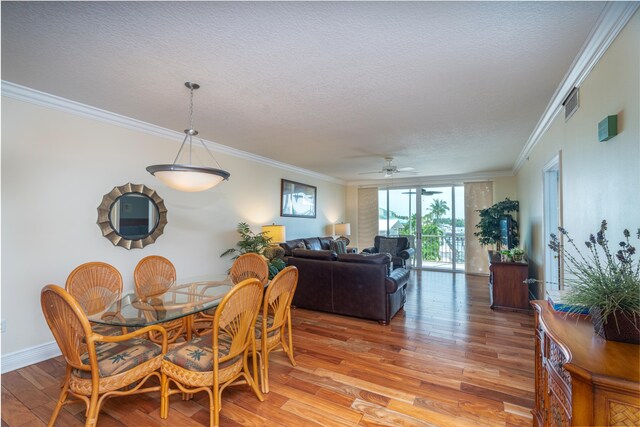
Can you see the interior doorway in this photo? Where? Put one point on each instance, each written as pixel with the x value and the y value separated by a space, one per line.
pixel 552 220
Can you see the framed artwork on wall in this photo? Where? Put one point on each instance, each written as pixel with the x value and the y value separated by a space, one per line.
pixel 297 199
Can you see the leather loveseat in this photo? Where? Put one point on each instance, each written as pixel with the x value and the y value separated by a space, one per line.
pixel 349 284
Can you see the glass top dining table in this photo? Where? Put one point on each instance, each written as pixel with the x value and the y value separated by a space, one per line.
pixel 183 297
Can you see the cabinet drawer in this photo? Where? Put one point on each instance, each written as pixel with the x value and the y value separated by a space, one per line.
pixel 558 416
pixel 555 361
pixel 616 408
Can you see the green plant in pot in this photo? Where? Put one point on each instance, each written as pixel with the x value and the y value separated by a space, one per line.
pixel 258 243
pixel 517 254
pixel 489 226
pixel 606 283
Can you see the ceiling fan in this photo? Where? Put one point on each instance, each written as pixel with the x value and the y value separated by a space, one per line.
pixel 390 169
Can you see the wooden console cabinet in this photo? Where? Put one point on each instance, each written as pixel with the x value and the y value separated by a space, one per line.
pixel 506 289
pixel 580 378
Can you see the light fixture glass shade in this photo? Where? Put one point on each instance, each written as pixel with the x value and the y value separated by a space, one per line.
pixel 277 233
pixel 188 178
pixel 343 229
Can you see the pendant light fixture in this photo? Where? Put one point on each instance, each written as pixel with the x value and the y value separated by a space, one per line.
pixel 189 177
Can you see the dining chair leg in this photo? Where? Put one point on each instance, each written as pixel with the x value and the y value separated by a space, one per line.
pixel 290 351
pixel 261 368
pixel 264 371
pixel 164 396
pixel 92 412
pixel 215 405
pixel 248 377
pixel 254 361
pixel 63 397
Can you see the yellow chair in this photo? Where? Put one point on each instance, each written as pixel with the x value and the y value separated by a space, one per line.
pixel 274 319
pixel 98 366
pixel 154 275
pixel 213 362
pixel 95 286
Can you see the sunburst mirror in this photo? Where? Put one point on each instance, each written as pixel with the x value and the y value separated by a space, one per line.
pixel 132 216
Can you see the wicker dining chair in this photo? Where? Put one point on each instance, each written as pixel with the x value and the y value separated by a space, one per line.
pixel 246 266
pixel 249 266
pixel 154 275
pixel 98 366
pixel 274 319
pixel 210 363
pixel 95 286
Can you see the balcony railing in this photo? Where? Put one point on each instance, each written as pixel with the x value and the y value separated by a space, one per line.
pixel 441 249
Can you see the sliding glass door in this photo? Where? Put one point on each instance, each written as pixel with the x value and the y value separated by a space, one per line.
pixel 436 233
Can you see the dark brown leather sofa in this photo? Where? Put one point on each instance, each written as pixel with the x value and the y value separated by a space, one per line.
pixel 313 243
pixel 349 284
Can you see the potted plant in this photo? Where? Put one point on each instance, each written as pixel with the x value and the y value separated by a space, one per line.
pixel 256 243
pixel 517 254
pixel 606 283
pixel 489 225
pixel 505 255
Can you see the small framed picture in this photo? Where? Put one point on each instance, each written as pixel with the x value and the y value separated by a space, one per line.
pixel 297 199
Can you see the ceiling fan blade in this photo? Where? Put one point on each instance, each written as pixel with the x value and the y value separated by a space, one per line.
pixel 367 173
pixel 407 169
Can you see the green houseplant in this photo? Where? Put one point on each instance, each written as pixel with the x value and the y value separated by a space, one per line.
pixel 606 283
pixel 258 243
pixel 517 254
pixel 489 225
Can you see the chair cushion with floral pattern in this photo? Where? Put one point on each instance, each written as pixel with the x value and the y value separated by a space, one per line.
pixel 117 357
pixel 269 324
pixel 197 354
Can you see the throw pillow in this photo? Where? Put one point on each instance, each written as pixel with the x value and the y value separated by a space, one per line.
pixel 338 246
pixel 389 246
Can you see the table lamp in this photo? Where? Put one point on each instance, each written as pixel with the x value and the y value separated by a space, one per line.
pixel 278 234
pixel 344 230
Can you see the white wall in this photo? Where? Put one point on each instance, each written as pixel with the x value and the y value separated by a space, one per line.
pixel 504 187
pixel 600 180
pixel 57 166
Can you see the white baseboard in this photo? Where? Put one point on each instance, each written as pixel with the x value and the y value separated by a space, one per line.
pixel 29 356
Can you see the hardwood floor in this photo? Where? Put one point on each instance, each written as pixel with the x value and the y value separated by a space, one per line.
pixel 445 360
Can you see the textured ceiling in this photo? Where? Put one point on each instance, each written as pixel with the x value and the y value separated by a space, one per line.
pixel 445 87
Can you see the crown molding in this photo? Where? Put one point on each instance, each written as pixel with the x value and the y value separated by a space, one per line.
pixel 433 180
pixel 43 99
pixel 611 21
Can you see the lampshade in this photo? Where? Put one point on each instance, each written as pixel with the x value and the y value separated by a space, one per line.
pixel 276 232
pixel 188 177
pixel 343 229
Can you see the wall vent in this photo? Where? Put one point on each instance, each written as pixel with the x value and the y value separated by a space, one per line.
pixel 571 103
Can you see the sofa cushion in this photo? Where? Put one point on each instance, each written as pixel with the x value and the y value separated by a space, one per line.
pixel 290 245
pixel 389 246
pixel 313 243
pixel 315 254
pixel 364 258
pixel 338 246
pixel 325 242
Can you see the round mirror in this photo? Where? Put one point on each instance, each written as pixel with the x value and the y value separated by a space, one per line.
pixel 132 216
